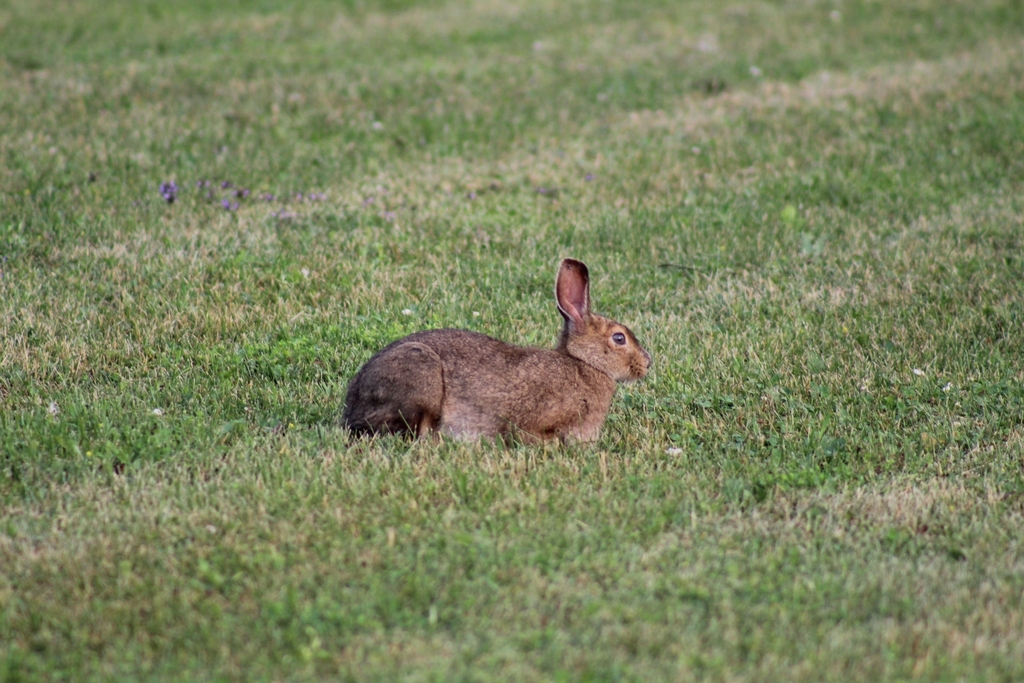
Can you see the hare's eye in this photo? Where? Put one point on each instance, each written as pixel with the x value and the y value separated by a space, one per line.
pixel 619 338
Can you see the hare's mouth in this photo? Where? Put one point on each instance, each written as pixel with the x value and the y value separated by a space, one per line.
pixel 638 372
pixel 635 376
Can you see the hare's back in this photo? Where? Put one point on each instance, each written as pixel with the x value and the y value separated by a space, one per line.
pixel 467 355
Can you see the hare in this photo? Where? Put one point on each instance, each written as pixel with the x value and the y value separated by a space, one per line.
pixel 467 385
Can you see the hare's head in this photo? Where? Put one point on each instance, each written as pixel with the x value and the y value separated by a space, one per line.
pixel 597 341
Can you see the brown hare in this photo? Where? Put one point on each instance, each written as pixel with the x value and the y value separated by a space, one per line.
pixel 468 385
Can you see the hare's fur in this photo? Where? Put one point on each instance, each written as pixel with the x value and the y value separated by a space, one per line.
pixel 468 385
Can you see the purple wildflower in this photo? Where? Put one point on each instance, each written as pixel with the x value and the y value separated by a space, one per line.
pixel 267 197
pixel 228 206
pixel 169 191
pixel 588 177
pixel 225 185
pixel 389 216
pixel 200 184
pixel 471 195
pixel 298 196
pixel 241 193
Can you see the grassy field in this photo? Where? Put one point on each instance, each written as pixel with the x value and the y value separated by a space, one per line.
pixel 811 213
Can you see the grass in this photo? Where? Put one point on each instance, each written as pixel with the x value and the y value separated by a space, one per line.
pixel 810 213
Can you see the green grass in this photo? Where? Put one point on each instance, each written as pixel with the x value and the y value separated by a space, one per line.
pixel 811 213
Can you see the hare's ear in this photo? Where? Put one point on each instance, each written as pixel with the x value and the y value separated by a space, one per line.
pixel 572 292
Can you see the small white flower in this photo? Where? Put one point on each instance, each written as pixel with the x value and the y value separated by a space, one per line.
pixel 211 528
pixel 54 409
pixel 918 371
pixel 305 273
pixel 949 385
pixel 673 451
pixel 476 314
pixel 377 125
pixel 406 311
pixel 708 44
pixel 158 411
pixel 695 150
pixel 755 72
